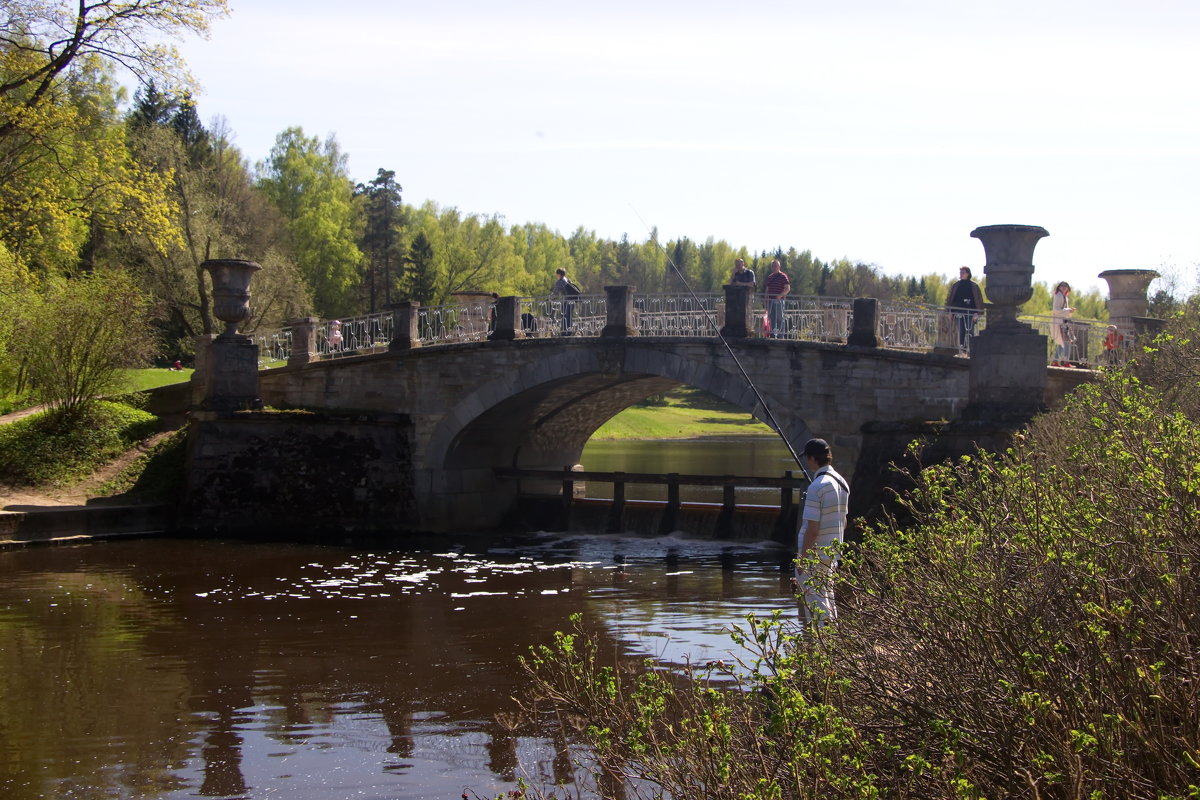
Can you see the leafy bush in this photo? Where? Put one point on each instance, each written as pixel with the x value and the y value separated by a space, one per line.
pixel 1032 632
pixel 77 334
pixel 56 448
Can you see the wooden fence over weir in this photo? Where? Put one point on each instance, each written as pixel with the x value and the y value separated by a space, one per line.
pixel 786 511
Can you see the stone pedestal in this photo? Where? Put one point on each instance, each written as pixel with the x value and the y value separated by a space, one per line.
pixel 1008 360
pixel 1008 375
pixel 866 321
pixel 304 341
pixel 1127 295
pixel 507 317
pixel 233 364
pixel 405 331
pixel 620 317
pixel 738 297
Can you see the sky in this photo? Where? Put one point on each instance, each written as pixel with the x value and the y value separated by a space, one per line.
pixel 882 131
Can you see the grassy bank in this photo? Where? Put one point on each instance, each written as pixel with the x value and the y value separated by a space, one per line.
pixel 684 413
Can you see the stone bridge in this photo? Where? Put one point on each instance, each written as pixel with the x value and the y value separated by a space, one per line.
pixel 535 403
pixel 445 418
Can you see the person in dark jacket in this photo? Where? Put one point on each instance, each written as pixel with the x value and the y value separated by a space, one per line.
pixel 966 302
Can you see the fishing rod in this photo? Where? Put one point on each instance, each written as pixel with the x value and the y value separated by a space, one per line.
pixel 713 322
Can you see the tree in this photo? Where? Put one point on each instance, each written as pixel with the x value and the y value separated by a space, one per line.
pixel 382 209
pixel 307 180
pixel 67 178
pixel 77 334
pixel 220 215
pixel 422 275
pixel 47 39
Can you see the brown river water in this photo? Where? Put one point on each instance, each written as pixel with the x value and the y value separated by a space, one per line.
pixel 162 668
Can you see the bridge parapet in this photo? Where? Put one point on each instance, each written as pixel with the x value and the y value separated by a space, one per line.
pixel 737 313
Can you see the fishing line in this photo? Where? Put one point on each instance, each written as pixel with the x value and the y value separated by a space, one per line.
pixel 713 322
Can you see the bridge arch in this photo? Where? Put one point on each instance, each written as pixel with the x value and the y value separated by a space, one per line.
pixel 542 415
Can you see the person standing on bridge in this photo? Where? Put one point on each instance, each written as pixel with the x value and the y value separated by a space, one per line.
pixel 1060 330
pixel 741 274
pixel 966 302
pixel 822 529
pixel 565 288
pixel 777 287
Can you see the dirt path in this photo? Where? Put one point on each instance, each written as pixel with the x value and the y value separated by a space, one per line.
pixel 15 499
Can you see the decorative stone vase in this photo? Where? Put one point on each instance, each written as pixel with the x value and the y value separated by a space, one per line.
pixel 1009 269
pixel 231 290
pixel 1127 295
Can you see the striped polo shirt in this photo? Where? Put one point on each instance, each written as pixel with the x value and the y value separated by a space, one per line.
pixel 828 502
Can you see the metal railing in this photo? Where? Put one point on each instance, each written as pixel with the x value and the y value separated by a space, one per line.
pixel 900 325
pixel 449 324
pixel 679 315
pixel 354 335
pixel 920 326
pixel 580 315
pixel 1085 341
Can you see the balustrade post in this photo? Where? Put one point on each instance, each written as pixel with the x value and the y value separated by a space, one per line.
pixel 405 330
pixel 728 506
pixel 620 319
pixel 738 297
pixel 670 515
pixel 786 523
pixel 865 324
pixel 616 514
pixel 304 341
pixel 508 320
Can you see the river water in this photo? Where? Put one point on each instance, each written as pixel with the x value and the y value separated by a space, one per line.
pixel 163 668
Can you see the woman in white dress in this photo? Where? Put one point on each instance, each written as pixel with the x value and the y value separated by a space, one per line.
pixel 1058 327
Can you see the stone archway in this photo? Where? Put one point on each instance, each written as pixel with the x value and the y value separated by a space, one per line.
pixel 544 415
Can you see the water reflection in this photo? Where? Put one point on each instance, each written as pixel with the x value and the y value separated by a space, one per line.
pixel 181 669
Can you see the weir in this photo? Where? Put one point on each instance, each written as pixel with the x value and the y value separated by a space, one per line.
pixel 564 505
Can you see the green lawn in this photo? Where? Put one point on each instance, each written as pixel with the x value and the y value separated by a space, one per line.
pixel 684 413
pixel 138 380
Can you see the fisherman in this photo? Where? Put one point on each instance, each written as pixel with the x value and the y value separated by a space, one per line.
pixel 822 529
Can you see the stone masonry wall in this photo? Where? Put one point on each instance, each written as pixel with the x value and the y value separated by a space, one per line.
pixel 300 475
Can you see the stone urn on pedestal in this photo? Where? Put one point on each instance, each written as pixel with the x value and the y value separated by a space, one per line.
pixel 1127 295
pixel 1008 360
pixel 231 366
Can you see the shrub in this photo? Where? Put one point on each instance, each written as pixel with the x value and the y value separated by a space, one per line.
pixel 1030 631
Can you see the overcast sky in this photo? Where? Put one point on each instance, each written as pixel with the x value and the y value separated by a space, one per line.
pixel 879 130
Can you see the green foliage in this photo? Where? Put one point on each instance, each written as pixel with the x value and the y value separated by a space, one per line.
pixel 307 181
pixel 55 448
pixel 77 334
pixel 1030 632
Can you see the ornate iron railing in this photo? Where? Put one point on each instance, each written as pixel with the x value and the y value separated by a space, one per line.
pixel 679 315
pixel 808 318
pixel 470 322
pixel 920 326
pixel 556 315
pixel 354 335
pixel 1085 341
pixel 900 325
